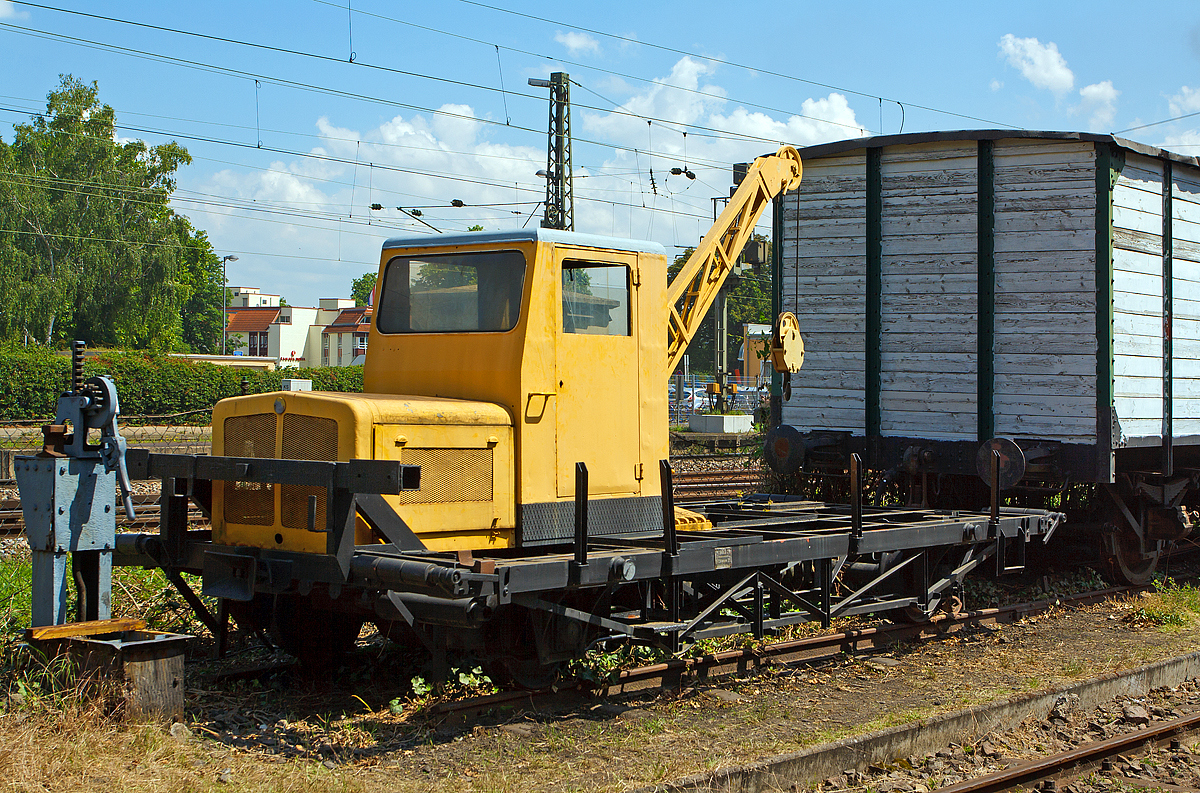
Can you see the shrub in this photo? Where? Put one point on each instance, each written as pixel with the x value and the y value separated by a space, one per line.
pixel 148 384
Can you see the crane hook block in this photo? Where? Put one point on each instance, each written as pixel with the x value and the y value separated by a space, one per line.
pixel 787 347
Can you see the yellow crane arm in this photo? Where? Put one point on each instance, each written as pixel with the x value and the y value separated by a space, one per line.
pixel 695 287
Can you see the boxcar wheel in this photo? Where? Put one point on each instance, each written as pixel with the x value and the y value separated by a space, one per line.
pixel 1126 564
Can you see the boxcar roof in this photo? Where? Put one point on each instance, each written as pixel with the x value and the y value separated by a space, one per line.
pixel 912 138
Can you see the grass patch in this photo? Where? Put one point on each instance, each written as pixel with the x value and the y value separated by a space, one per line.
pixel 36 684
pixel 1074 668
pixel 1171 606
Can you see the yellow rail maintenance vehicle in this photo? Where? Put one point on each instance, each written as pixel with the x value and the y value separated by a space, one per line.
pixel 501 485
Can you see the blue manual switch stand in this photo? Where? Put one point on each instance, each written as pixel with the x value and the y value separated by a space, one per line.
pixel 68 497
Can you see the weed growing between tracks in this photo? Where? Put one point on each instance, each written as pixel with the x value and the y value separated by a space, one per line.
pixel 1171 606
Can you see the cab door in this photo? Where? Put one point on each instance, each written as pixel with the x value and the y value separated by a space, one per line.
pixel 598 419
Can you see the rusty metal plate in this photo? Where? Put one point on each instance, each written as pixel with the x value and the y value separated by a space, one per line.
pixel 783 449
pixel 1012 462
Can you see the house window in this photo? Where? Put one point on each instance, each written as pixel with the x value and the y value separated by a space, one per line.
pixel 360 343
pixel 339 357
pixel 325 349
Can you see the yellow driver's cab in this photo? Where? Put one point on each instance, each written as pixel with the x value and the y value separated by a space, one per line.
pixel 496 362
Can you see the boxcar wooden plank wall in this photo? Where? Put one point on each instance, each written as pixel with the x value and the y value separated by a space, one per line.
pixel 1185 206
pixel 1014 220
pixel 1045 345
pixel 928 342
pixel 1138 300
pixel 824 281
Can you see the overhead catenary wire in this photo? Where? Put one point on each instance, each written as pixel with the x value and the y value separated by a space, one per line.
pixel 362 64
pixel 286 83
pixel 1157 123
pixel 755 69
pixel 535 158
pixel 146 243
pixel 211 208
pixel 306 177
pixel 342 160
pixel 594 68
pixel 258 127
pixel 503 93
pixel 350 162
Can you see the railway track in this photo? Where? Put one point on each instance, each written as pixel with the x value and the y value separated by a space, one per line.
pixel 690 487
pixel 1083 759
pixel 676 672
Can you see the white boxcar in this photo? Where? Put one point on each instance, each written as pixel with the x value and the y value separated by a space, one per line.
pixel 958 286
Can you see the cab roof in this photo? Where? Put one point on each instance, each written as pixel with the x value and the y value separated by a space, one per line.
pixel 473 238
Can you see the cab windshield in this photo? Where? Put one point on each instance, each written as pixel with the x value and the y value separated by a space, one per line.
pixel 452 293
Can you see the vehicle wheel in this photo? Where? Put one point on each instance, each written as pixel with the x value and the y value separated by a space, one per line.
pixel 318 638
pixel 1127 565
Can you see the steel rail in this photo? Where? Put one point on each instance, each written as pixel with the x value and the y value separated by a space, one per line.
pixel 676 672
pixel 1076 761
pixel 695 486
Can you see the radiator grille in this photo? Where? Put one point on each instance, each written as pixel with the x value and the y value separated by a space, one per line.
pixel 293 506
pixel 449 475
pixel 305 438
pixel 250 503
pixel 250 436
pixel 309 438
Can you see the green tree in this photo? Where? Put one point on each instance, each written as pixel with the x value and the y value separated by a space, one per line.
pixel 200 285
pixel 89 245
pixel 362 287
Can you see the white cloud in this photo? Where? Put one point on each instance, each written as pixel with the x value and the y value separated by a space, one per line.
pixel 577 43
pixel 1100 100
pixel 1040 64
pixel 325 203
pixel 1186 101
pixel 685 98
pixel 404 160
pixel 9 11
pixel 996 85
pixel 1186 142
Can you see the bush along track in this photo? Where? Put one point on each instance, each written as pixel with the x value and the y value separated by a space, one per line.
pixel 151 385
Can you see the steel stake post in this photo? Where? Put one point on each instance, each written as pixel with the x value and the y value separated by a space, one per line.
pixel 672 548
pixel 994 485
pixel 581 514
pixel 856 515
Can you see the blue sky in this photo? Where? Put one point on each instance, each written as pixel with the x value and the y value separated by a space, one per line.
pixel 382 130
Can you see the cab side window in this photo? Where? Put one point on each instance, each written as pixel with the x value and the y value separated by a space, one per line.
pixel 595 298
